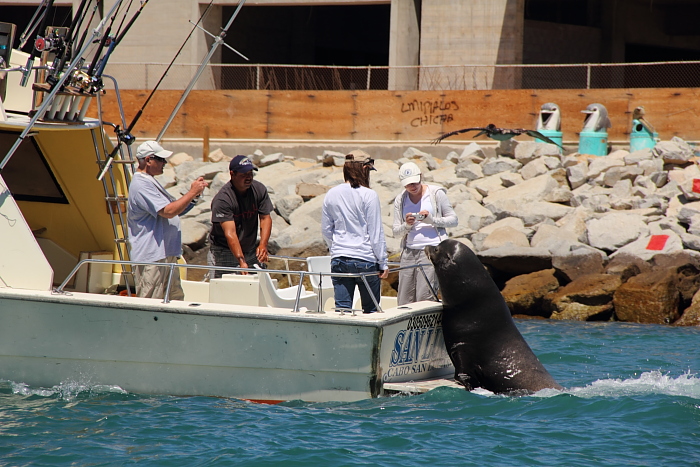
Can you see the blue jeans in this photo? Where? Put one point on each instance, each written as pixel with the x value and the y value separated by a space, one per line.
pixel 344 287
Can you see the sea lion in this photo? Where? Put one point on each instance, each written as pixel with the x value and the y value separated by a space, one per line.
pixel 485 346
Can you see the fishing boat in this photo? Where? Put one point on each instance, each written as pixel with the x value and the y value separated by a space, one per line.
pixel 65 255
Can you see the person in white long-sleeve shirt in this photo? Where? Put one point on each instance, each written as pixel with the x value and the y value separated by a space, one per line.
pixel 351 224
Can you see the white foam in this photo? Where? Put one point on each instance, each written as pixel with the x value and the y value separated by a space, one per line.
pixel 650 382
pixel 67 390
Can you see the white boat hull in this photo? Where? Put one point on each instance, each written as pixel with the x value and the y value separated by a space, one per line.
pixel 180 348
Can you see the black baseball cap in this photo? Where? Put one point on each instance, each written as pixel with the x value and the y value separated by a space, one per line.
pixel 241 164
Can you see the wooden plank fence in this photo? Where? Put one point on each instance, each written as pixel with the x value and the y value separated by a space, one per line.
pixel 368 116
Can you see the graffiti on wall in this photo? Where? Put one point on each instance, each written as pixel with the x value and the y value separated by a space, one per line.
pixel 429 112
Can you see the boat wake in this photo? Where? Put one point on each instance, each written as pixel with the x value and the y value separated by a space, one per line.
pixel 647 383
pixel 650 382
pixel 66 391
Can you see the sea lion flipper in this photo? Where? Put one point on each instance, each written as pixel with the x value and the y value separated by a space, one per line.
pixel 465 380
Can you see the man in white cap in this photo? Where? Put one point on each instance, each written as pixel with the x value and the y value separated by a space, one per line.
pixel 154 223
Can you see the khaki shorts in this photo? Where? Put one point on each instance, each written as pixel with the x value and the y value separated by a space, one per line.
pixel 151 281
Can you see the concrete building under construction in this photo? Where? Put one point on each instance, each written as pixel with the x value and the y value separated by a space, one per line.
pixel 400 34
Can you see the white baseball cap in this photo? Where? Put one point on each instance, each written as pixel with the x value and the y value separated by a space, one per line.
pixel 152 148
pixel 409 173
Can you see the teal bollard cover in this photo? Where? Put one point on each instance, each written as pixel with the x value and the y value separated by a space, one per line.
pixel 593 142
pixel 641 137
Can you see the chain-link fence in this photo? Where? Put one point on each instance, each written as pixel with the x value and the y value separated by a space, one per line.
pixel 426 78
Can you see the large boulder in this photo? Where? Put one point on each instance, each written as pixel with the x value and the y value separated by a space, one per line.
pixel 217 155
pixel 675 151
pixel 578 262
pixel 577 174
pixel 524 294
pixel 505 236
pixel 531 213
pixel 271 159
pixel 691 315
pixel 199 169
pixel 178 158
pixel 472 217
pixel 285 205
pixel 472 152
pixel 310 190
pixel 487 186
pixel 647 247
pixel 527 191
pixel 602 164
pixel 194 234
pixel 513 222
pixel 469 170
pixel 615 230
pixel 516 260
pixel 332 158
pixel 588 298
pixel 651 298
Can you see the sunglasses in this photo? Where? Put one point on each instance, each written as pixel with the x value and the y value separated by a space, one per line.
pixel 158 159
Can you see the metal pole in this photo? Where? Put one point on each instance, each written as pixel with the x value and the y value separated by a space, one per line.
pixel 374 299
pixel 166 299
pixel 432 290
pixel 298 297
pixel 588 76
pixel 219 39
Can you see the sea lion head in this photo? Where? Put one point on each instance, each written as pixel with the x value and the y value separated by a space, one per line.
pixel 458 270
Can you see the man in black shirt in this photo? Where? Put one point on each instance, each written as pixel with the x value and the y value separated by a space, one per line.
pixel 235 211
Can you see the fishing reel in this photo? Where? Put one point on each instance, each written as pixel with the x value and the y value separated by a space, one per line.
pixel 123 135
pixel 85 83
pixel 80 80
pixel 50 43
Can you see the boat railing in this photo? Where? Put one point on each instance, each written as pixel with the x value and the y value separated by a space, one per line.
pixel 393 267
pixel 238 270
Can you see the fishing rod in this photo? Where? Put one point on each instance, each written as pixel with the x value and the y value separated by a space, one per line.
pixel 103 42
pixel 97 78
pixel 217 41
pixel 39 38
pixel 87 28
pixel 49 98
pixel 125 136
pixel 63 46
pixel 67 46
pixel 33 23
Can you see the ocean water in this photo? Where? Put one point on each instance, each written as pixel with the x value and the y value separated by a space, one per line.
pixel 631 397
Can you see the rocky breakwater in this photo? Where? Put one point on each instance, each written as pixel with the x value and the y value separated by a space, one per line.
pixel 571 236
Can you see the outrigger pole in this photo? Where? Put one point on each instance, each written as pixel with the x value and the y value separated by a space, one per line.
pixel 48 99
pixel 124 136
pixel 217 41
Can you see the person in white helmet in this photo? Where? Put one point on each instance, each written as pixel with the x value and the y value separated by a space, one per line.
pixel 421 214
